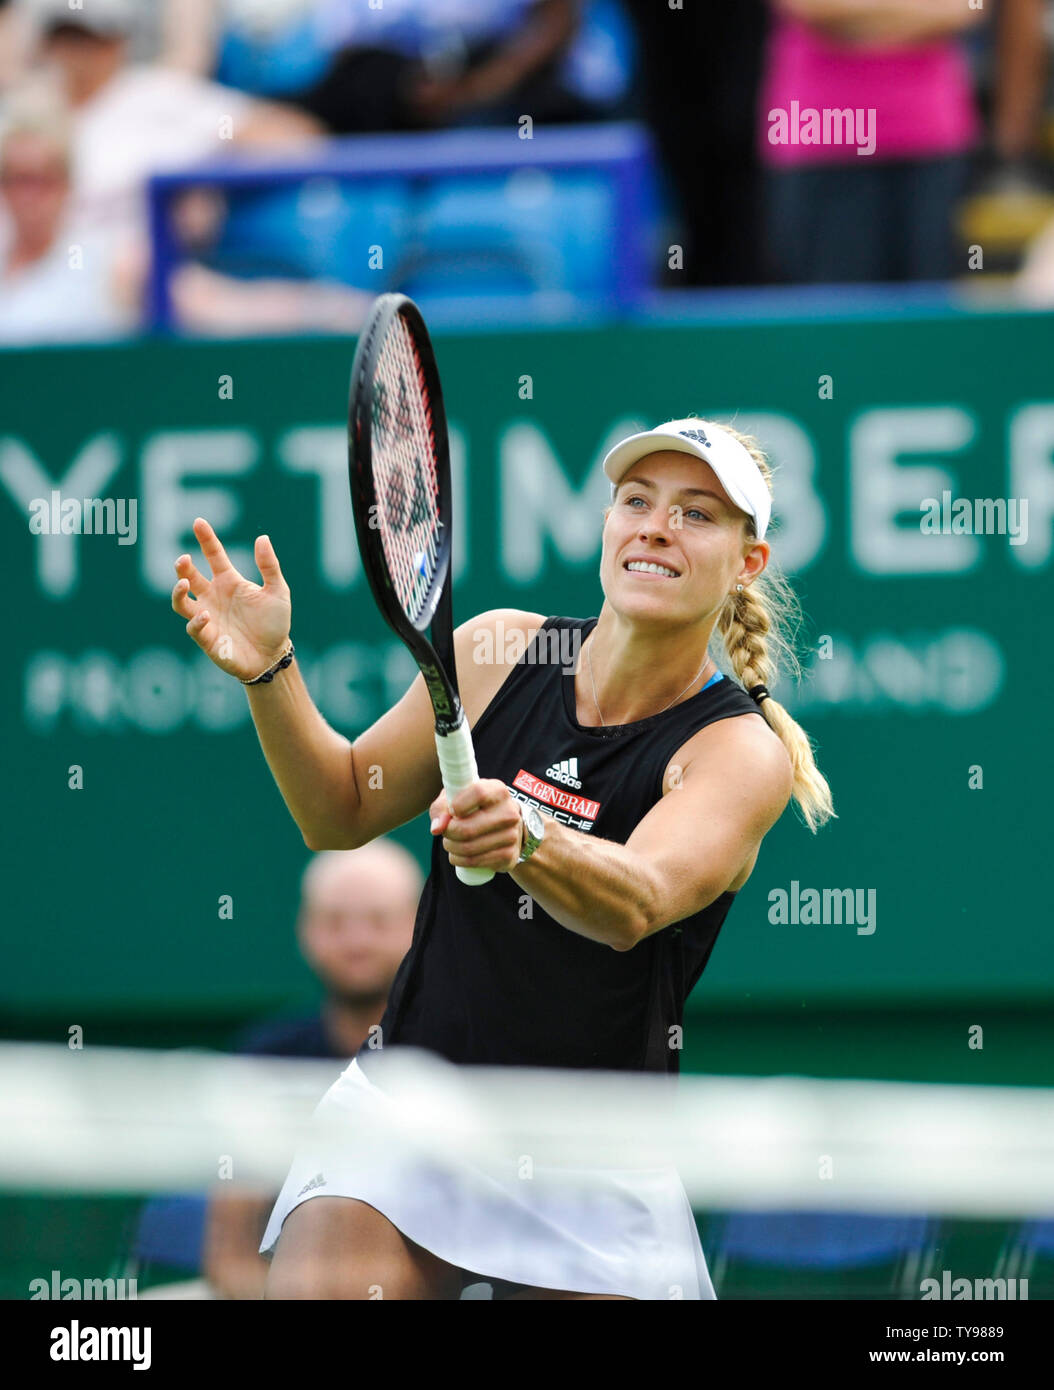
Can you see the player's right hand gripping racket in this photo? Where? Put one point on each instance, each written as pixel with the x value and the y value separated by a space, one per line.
pixel 399 466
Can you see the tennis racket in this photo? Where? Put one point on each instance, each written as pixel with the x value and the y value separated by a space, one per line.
pixel 399 469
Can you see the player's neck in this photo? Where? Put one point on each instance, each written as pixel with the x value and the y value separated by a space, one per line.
pixel 632 675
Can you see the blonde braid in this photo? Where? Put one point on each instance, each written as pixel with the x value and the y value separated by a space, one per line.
pixel 757 628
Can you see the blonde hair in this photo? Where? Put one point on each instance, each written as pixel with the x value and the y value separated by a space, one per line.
pixel 755 634
pixel 38 108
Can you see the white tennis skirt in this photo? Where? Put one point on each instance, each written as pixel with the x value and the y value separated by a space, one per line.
pixel 613 1231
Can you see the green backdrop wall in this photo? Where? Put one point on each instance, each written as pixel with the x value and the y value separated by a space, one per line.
pixel 930 663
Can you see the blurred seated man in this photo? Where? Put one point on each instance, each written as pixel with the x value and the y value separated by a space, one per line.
pixel 355 925
pixel 56 284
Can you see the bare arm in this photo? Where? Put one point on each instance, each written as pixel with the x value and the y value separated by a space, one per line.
pixel 277 123
pixel 1021 70
pixel 340 794
pixel 209 302
pixel 16 44
pixel 885 21
pixel 188 36
pixel 390 774
pixel 546 31
pixel 232 1262
pixel 734 785
pixel 244 628
pixel 311 763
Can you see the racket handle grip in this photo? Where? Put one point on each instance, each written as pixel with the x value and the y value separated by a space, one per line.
pixel 457 763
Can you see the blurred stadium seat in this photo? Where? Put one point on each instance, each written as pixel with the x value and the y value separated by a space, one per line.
pixel 795 1254
pixel 466 218
pixel 323 227
pixel 527 233
pixel 1028 1253
pixel 170 1237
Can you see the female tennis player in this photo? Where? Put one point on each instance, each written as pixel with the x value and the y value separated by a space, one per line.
pixel 625 799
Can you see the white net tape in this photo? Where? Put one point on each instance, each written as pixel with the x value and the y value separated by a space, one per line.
pixel 106 1119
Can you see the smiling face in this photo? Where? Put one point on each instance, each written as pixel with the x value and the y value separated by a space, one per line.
pixel 675 545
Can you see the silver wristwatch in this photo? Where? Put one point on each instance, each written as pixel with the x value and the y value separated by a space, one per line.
pixel 533 831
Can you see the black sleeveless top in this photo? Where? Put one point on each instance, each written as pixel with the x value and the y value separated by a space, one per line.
pixel 492 979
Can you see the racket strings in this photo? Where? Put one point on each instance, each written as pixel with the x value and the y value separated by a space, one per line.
pixel 404 467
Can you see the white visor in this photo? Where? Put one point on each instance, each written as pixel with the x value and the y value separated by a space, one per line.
pixel 737 472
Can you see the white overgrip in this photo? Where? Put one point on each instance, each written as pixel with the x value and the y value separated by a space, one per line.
pixel 457 764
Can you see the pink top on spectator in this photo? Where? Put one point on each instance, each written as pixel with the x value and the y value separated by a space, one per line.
pixel 921 96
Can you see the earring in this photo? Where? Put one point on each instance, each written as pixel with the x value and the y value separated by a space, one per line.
pixel 739 588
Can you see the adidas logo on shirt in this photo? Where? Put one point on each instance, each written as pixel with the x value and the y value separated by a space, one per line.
pixel 565 772
pixel 317 1181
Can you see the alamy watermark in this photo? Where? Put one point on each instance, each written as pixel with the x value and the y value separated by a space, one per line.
pixel 85 516
pixel 79 1342
pixel 551 647
pixel 809 125
pixel 948 1287
pixel 824 907
pixel 977 516
pixel 85 1290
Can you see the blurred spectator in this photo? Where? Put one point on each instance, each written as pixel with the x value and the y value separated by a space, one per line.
pixel 56 283
pixel 355 925
pixel 700 70
pixel 131 120
pixel 16 37
pixel 207 301
pixel 408 64
pixel 879 206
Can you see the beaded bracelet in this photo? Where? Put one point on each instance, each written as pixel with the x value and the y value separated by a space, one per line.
pixel 267 676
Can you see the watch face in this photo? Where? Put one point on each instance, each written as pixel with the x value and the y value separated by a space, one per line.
pixel 535 823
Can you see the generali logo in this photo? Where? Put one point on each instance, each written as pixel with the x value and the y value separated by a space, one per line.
pixel 556 797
